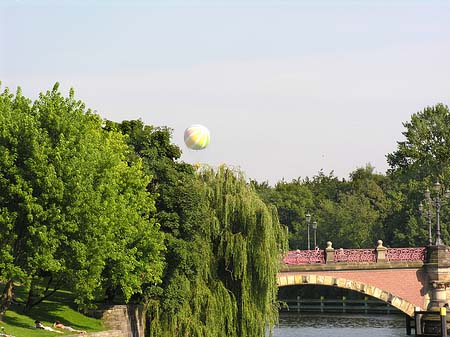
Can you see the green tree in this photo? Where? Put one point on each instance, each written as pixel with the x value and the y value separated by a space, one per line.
pixel 198 295
pixel 326 191
pixel 240 243
pixel 178 207
pixel 353 217
pixel 20 140
pixel 293 201
pixel 419 161
pixel 181 212
pixel 426 150
pixel 75 210
pixel 326 187
pixel 374 188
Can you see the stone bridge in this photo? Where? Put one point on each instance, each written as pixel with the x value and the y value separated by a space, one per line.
pixel 407 278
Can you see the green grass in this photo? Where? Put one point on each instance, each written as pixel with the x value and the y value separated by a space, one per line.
pixel 59 307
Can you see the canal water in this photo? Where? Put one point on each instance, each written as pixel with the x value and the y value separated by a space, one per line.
pixel 339 325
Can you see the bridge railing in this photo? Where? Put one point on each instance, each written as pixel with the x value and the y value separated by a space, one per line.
pixel 304 257
pixel 406 254
pixel 355 255
pixel 379 254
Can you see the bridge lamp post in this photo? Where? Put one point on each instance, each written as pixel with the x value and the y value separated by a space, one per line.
pixel 435 202
pixel 308 220
pixel 314 226
pixel 428 215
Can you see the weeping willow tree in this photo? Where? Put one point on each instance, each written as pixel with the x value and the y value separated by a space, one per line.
pixel 233 290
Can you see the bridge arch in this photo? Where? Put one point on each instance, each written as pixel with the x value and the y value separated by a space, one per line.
pixel 332 281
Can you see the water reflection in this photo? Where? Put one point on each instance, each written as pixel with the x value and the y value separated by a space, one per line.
pixel 339 325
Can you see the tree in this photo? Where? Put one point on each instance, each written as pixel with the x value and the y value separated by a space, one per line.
pixel 75 210
pixel 349 223
pixel 326 191
pixel 198 296
pixel 419 161
pixel 326 187
pixel 426 150
pixel 293 201
pixel 374 188
pixel 181 213
pixel 239 243
pixel 177 196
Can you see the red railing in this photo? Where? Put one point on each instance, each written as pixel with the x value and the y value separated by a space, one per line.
pixel 406 254
pixel 304 257
pixel 355 255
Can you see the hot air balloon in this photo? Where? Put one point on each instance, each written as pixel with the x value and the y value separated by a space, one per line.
pixel 196 137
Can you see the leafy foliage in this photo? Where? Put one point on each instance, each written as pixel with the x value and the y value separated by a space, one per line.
pixel 349 213
pixel 74 209
pixel 234 291
pixel 292 200
pixel 426 150
pixel 419 161
pixel 219 279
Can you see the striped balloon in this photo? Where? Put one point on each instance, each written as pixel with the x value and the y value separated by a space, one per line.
pixel 196 137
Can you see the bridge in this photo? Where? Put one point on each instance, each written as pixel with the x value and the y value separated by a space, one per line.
pixel 408 278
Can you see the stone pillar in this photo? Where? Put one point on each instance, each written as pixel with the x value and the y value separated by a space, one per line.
pixel 438 272
pixel 329 253
pixel 437 268
pixel 438 294
pixel 381 252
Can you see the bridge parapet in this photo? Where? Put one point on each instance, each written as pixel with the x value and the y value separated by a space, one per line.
pixel 304 257
pixel 406 254
pixel 377 255
pixel 355 255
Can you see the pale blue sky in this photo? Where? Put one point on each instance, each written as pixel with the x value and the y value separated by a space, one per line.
pixel 287 88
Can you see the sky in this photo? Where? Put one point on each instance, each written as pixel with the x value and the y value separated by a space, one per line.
pixel 286 88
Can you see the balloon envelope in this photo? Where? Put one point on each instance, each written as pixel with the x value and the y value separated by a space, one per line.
pixel 196 137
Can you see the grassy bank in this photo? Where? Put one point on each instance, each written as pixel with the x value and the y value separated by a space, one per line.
pixel 58 307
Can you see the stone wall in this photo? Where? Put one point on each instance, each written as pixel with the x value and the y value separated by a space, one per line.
pixel 123 320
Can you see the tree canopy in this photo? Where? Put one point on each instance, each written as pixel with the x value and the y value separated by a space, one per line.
pixel 74 209
pixel 419 161
pixel 237 251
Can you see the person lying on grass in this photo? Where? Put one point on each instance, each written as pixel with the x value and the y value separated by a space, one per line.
pixel 59 325
pixel 39 325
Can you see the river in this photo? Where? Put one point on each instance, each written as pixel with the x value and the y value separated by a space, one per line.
pixel 339 325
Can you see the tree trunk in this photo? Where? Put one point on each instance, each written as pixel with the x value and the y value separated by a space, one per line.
pixel 37 296
pixel 29 302
pixel 7 297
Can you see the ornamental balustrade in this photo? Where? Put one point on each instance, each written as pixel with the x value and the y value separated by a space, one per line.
pixel 305 256
pixel 356 255
pixel 406 254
